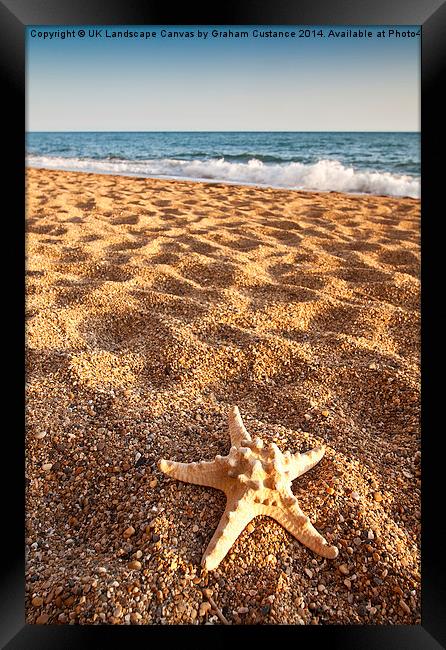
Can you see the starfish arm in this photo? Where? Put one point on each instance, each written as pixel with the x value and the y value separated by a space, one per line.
pixel 203 473
pixel 237 429
pixel 299 525
pixel 301 463
pixel 234 519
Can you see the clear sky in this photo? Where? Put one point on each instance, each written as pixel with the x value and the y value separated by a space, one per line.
pixel 219 84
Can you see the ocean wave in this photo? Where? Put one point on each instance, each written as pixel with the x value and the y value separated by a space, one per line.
pixel 324 175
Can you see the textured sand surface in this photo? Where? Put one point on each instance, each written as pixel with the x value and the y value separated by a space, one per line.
pixel 151 307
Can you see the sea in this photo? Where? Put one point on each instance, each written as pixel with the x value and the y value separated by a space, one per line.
pixel 386 163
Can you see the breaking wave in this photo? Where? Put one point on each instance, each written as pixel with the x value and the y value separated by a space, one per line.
pixel 324 175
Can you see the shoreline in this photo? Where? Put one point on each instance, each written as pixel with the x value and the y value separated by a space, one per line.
pixel 205 181
pixel 152 307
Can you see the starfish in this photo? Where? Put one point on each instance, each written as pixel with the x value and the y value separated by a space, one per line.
pixel 256 479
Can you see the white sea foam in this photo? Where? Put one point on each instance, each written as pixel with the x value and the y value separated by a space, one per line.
pixel 325 175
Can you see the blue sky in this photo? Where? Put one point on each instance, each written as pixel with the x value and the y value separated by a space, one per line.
pixel 217 84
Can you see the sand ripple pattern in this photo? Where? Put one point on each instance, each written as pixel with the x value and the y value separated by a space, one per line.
pixel 153 305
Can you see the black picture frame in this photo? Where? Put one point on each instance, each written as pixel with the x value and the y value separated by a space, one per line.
pixel 15 15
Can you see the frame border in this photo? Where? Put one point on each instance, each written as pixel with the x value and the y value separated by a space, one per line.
pixel 15 15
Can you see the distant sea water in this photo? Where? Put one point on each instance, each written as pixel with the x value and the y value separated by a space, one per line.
pixel 365 162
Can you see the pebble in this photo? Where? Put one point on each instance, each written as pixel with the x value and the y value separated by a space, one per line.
pixel 370 534
pixel 195 528
pixel 117 612
pixel 404 606
pixel 378 496
pixel 208 592
pixel 355 495
pixel 344 569
pixel 47 467
pixel 135 564
pixel 250 528
pixel 37 601
pixel 325 413
pixel 204 608
pixel 329 490
pixel 309 572
pixel 129 532
pixel 40 435
pixel 153 483
pixel 42 619
pixel 348 583
pixel 242 610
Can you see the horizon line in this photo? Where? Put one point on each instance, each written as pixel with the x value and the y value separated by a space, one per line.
pixel 224 131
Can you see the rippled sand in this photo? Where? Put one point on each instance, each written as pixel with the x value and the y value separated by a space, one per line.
pixel 151 307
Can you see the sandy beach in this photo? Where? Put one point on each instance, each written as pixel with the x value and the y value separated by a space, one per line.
pixel 152 306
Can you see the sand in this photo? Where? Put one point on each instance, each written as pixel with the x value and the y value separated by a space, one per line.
pixel 154 305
